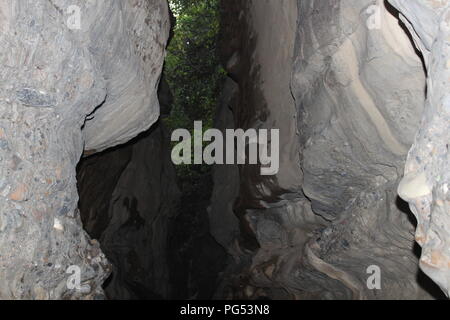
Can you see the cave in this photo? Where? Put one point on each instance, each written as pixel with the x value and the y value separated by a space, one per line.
pixel 224 150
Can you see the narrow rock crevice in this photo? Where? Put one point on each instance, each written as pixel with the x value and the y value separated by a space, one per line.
pixel 92 205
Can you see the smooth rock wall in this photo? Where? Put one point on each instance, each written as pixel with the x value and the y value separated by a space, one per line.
pixel 426 182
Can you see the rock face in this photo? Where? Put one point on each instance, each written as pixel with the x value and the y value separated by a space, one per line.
pixel 223 224
pixel 53 76
pixel 353 86
pixel 332 216
pixel 427 178
pixel 129 196
pixel 356 123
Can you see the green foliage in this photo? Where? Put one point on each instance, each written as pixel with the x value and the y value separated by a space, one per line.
pixel 193 69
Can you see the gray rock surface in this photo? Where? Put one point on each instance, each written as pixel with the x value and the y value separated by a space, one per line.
pixel 427 178
pixel 357 117
pixel 128 40
pixel 52 78
pixel 315 229
pixel 356 87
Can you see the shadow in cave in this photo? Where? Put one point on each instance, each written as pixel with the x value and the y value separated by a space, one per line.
pixel 195 258
pixel 422 279
pixel 149 216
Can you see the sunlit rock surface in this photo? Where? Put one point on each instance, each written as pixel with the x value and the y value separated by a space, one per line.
pixel 359 88
pixel 52 78
pixel 427 177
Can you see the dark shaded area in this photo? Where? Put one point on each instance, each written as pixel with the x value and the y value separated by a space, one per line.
pixel 424 281
pixel 156 232
pixel 396 14
pixel 195 258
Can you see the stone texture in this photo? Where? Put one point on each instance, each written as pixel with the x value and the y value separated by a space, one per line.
pixel 356 123
pixel 130 56
pixel 359 88
pixel 426 181
pixel 344 81
pixel 52 78
pixel 256 48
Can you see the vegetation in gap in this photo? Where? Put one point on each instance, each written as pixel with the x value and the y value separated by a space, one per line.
pixel 193 69
pixel 195 76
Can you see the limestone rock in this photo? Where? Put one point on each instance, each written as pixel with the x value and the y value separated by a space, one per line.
pixel 128 198
pixel 359 88
pixel 53 76
pixel 426 181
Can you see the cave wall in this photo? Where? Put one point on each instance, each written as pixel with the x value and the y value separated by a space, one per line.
pixel 356 126
pixel 129 196
pixel 358 87
pixel 426 180
pixel 257 49
pixel 223 223
pixel 346 88
pixel 53 76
